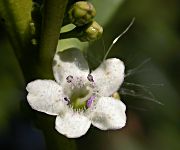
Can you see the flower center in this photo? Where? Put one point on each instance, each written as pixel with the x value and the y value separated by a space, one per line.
pixel 83 92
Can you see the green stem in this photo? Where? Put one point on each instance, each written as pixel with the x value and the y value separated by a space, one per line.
pixel 51 25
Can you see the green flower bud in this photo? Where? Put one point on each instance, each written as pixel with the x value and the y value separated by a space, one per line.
pixel 91 32
pixel 81 13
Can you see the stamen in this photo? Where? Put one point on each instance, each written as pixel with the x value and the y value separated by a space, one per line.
pixel 69 78
pixel 67 100
pixel 90 101
pixel 82 94
pixel 90 78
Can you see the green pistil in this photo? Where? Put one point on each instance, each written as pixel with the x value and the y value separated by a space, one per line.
pixel 79 97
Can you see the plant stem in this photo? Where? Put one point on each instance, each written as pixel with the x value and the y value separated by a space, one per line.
pixel 51 24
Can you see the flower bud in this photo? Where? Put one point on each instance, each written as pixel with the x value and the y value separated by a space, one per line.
pixel 81 13
pixel 91 32
pixel 116 95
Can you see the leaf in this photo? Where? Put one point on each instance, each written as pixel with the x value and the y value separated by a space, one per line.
pixel 16 17
pixel 65 44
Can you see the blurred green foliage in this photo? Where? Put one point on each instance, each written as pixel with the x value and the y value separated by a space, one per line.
pixel 156 35
pixel 11 82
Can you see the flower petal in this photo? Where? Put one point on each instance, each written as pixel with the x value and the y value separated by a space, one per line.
pixel 72 124
pixel 108 113
pixel 46 96
pixel 109 76
pixel 69 62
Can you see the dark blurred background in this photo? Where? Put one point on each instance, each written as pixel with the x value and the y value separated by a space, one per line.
pixel 151 53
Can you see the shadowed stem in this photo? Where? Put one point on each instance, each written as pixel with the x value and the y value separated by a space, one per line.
pixel 51 25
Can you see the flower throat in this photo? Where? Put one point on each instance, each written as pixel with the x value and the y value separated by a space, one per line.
pixel 83 92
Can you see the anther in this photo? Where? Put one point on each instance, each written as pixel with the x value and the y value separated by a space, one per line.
pixel 90 78
pixel 69 78
pixel 90 101
pixel 67 100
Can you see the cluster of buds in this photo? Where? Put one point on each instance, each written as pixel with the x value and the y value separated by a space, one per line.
pixel 82 14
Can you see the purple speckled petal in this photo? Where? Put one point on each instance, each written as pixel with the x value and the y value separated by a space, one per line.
pixel 109 76
pixel 108 113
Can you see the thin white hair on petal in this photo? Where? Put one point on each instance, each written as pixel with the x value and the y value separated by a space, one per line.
pixel 157 84
pixel 143 87
pixel 117 38
pixel 137 69
pixel 98 59
pixel 145 94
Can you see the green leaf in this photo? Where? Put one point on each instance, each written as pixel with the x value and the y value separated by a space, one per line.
pixel 65 44
pixel 16 17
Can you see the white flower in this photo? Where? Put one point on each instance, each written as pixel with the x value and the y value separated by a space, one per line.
pixel 78 97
